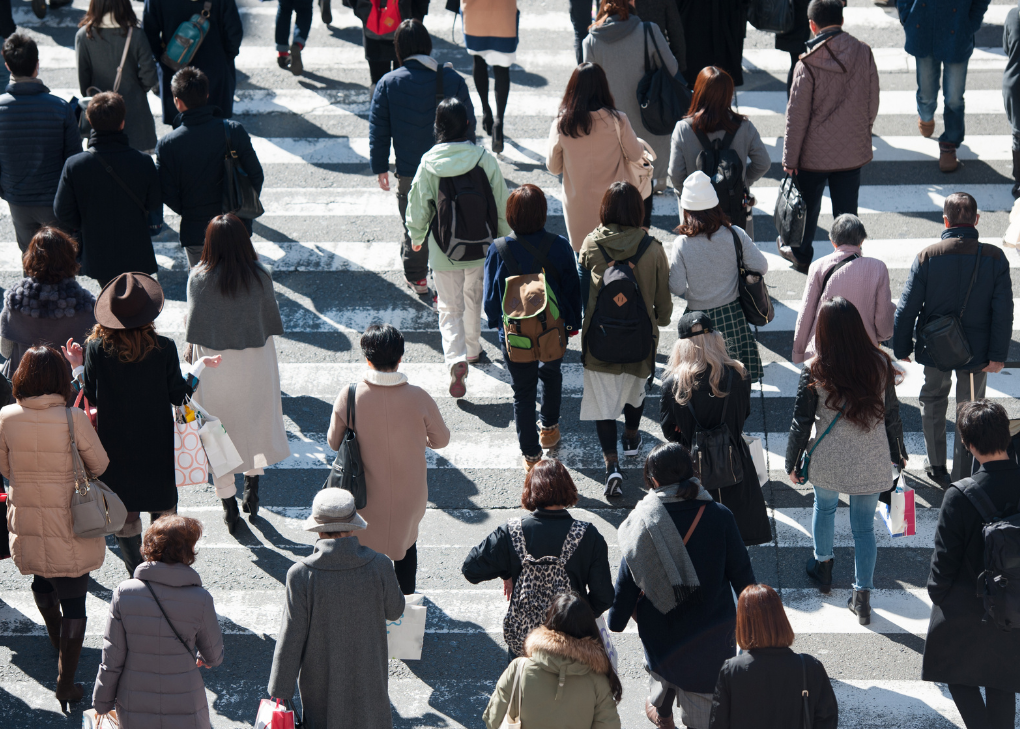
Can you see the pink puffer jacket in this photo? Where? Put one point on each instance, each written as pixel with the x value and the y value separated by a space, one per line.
pixel 833 105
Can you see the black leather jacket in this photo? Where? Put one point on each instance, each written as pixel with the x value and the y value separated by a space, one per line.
pixel 804 410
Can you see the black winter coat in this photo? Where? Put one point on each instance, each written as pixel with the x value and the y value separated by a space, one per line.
pixel 544 532
pixel 136 427
pixel 794 41
pixel 114 230
pixel 714 36
pixel 215 57
pixel 745 499
pixel 190 161
pixel 960 648
pixel 762 688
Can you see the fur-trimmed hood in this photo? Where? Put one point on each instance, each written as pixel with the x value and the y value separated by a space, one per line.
pixel 556 651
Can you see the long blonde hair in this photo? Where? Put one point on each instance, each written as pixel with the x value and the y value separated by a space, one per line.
pixel 691 357
pixel 129 345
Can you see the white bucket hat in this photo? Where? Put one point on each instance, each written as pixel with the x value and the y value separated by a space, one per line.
pixel 333 511
pixel 698 193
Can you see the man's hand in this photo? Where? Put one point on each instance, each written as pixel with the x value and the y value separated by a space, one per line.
pixel 993 367
pixel 795 479
pixel 788 171
pixel 384 181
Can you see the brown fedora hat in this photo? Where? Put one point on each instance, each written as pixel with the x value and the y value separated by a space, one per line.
pixel 131 300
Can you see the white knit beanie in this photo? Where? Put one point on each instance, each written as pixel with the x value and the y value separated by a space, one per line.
pixel 698 193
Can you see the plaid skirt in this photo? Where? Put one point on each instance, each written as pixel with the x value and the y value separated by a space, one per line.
pixel 730 321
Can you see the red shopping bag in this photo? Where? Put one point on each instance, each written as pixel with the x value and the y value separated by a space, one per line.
pixel 83 403
pixel 273 714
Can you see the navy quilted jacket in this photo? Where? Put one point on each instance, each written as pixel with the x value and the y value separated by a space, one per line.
pixel 404 111
pixel 38 132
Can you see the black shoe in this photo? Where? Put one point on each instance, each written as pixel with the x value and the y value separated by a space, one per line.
pixel 131 552
pixel 250 501
pixel 497 136
pixel 296 67
pixel 938 474
pixel 614 480
pixel 39 8
pixel 283 61
pixel 631 446
pixel 487 122
pixel 787 253
pixel 327 13
pixel 860 605
pixel 230 514
pixel 821 572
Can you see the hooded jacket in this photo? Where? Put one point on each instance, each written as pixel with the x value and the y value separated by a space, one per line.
pixel 564 685
pixel 833 105
pixel 652 274
pixel 449 160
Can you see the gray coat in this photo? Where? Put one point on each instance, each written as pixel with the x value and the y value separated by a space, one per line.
pixel 619 47
pixel 333 636
pixel 145 673
pixel 685 148
pixel 98 58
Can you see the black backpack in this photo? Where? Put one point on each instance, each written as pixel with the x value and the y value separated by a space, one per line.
pixel 620 330
pixel 718 463
pixel 998 585
pixel 726 170
pixel 466 220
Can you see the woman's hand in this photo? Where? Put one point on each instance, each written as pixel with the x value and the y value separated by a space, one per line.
pixel 213 362
pixel 795 479
pixel 508 589
pixel 200 663
pixel 73 353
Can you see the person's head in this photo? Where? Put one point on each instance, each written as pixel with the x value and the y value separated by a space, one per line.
pixel 526 209
pixel 622 205
pixel 761 619
pixel 700 205
pixel 228 251
pixel 106 112
pixel 984 427
pixel 451 121
pixel 847 230
pixel 848 365
pixel 51 256
pixel 699 348
pixel 411 39
pixel 171 539
pixel 42 371
pixel 710 109
pixel 125 311
pixel 383 347
pixel 824 14
pixel 190 88
pixel 570 614
pixel 548 484
pixel 960 209
pixel 123 15
pixel 621 8
pixel 587 92
pixel 670 463
pixel 21 55
pixel 333 512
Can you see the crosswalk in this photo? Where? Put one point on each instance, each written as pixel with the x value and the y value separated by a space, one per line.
pixel 331 236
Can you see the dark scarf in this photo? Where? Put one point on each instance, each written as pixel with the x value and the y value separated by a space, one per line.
pixel 960 231
pixel 822 37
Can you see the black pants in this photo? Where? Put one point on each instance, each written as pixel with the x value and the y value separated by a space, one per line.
pixel 406 570
pixel 996 711
pixel 70 590
pixel 843 189
pixel 378 69
pixel 580 18
pixel 524 379
pixel 606 429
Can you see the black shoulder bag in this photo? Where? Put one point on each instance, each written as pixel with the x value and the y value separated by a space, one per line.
pixel 347 471
pixel 944 338
pixel 239 194
pixel 192 652
pixel 751 290
pixel 664 99
pixel 718 462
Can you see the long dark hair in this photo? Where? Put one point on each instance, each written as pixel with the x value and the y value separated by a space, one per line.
pixel 587 92
pixel 227 244
pixel 848 365
pixel 670 463
pixel 122 11
pixel 710 106
pixel 570 614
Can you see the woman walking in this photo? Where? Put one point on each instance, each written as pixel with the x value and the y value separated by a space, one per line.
pixel 35 458
pixel 614 387
pixel 703 388
pixel 682 560
pixel 589 144
pixel 847 394
pixel 490 35
pixel 703 268
pixel 109 26
pixel 377 32
pixel 232 313
pixel 161 629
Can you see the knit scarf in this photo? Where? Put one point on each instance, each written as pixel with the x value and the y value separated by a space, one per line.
pixel 655 551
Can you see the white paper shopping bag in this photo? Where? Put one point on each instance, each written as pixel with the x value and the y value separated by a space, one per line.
pixel 406 634
pixel 758 455
pixel 219 449
pixel 91 720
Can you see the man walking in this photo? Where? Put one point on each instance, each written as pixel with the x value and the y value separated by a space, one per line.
pixel 832 107
pixel 38 132
pixel 940 36
pixel 938 286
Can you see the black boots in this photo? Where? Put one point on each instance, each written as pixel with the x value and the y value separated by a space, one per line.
pixel 49 607
pixel 250 500
pixel 821 572
pixel 497 136
pixel 1016 173
pixel 230 514
pixel 860 605
pixel 72 635
pixel 131 552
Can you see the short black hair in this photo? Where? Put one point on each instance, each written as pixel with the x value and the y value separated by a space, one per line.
pixel 671 463
pixel 190 86
pixel 622 205
pixel 825 12
pixel 412 39
pixel 383 346
pixel 960 209
pixel 106 111
pixel 21 54
pixel 984 426
pixel 451 121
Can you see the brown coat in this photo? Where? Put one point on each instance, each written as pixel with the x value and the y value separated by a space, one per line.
pixel 833 105
pixel 35 457
pixel 395 423
pixel 589 165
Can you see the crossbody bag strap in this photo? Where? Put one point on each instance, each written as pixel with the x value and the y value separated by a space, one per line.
pixel 117 179
pixel 973 278
pixel 539 255
pixel 352 390
pixel 123 60
pixel 192 653
pixel 697 518
pixel 822 437
pixel 828 275
pixel 804 692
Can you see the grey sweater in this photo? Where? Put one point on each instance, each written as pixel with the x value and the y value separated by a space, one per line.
pixel 685 147
pixel 244 321
pixel 704 270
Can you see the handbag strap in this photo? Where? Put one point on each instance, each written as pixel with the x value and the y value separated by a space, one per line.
pixel 123 60
pixel 697 518
pixel 619 137
pixel 192 653
pixel 116 178
pixel 973 277
pixel 80 474
pixel 352 390
pixel 828 275
pixel 804 692
pixel 739 248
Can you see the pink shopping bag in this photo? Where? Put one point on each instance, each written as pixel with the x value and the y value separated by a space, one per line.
pixel 273 714
pixel 190 463
pixel 898 515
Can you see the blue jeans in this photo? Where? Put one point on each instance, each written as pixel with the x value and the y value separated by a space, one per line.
pixel 524 379
pixel 862 524
pixel 954 83
pixel 302 10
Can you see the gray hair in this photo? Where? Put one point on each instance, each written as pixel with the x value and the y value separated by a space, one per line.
pixel 847 230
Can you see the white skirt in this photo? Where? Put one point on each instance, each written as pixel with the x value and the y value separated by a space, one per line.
pixel 496 58
pixel 605 394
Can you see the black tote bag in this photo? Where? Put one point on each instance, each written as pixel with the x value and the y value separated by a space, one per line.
pixel 239 194
pixel 347 471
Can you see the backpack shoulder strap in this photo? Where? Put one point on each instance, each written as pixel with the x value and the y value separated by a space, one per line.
pixel 541 255
pixel 572 540
pixel 517 540
pixel 828 274
pixel 605 254
pixel 352 390
pixel 706 143
pixel 726 402
pixel 727 140
pixel 440 95
pixel 116 178
pixel 976 495
pixel 503 249
pixel 643 246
